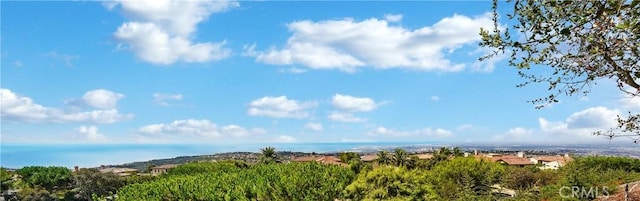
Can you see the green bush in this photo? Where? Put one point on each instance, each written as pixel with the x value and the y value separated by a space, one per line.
pixel 294 181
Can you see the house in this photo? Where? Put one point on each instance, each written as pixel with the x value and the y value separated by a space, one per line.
pixel 369 158
pixel 513 161
pixel 320 159
pixel 551 162
pixel 158 170
pixel 423 156
pixel 118 171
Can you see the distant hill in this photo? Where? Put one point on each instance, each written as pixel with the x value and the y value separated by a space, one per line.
pixel 249 157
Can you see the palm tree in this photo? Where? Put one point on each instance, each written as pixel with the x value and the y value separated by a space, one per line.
pixel 269 155
pixel 400 157
pixel 383 158
pixel 457 152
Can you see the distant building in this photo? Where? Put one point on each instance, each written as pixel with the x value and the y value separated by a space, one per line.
pixel 423 156
pixel 513 161
pixel 369 158
pixel 551 162
pixel 320 159
pixel 161 169
pixel 118 171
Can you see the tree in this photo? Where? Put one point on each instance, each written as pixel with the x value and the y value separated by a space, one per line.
pixel 348 157
pixel 90 182
pixel 50 178
pixel 383 158
pixel 35 194
pixel 582 42
pixel 390 183
pixel 457 152
pixel 6 179
pixel 269 155
pixel 401 158
pixel 463 178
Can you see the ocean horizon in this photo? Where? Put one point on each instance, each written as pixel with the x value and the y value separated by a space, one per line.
pixel 94 155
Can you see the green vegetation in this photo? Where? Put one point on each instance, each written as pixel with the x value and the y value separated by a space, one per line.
pixel 293 181
pixel 387 182
pixel 6 181
pixel 447 176
pixel 269 155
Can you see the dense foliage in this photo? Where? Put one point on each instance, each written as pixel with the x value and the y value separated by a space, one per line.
pixel 388 182
pixel 90 182
pixel 448 176
pixel 465 177
pixel 46 177
pixel 293 181
pixel 6 181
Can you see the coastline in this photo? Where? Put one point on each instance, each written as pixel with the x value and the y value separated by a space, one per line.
pixel 94 155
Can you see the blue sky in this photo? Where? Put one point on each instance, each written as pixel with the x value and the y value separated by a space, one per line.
pixel 256 72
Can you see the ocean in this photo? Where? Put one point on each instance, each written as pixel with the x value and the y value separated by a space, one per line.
pixel 94 155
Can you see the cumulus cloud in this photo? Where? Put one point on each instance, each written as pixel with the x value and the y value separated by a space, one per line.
pixel 516 134
pixel 353 104
pixel 280 107
pixel 99 98
pixel 581 124
pixel 435 98
pixel 347 44
pixel 163 99
pixel 313 126
pixel 200 128
pixel 344 117
pixel 392 18
pixel 23 109
pixel 284 139
pixel 161 31
pixel 91 133
pixel 425 132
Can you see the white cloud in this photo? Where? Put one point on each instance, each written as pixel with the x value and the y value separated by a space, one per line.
pixel 344 117
pixel 23 109
pixel 353 104
pixel 425 132
pixel 347 44
pixel 464 127
pixel 161 30
pixel 595 117
pixel 519 132
pixel 91 133
pixel 280 107
pixel 630 102
pixel 101 99
pixel 392 18
pixel 313 126
pixel 489 64
pixel 200 128
pixel 516 134
pixel 18 64
pixel 435 98
pixel 284 139
pixel 293 70
pixel 162 98
pixel 66 59
pixel 581 124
